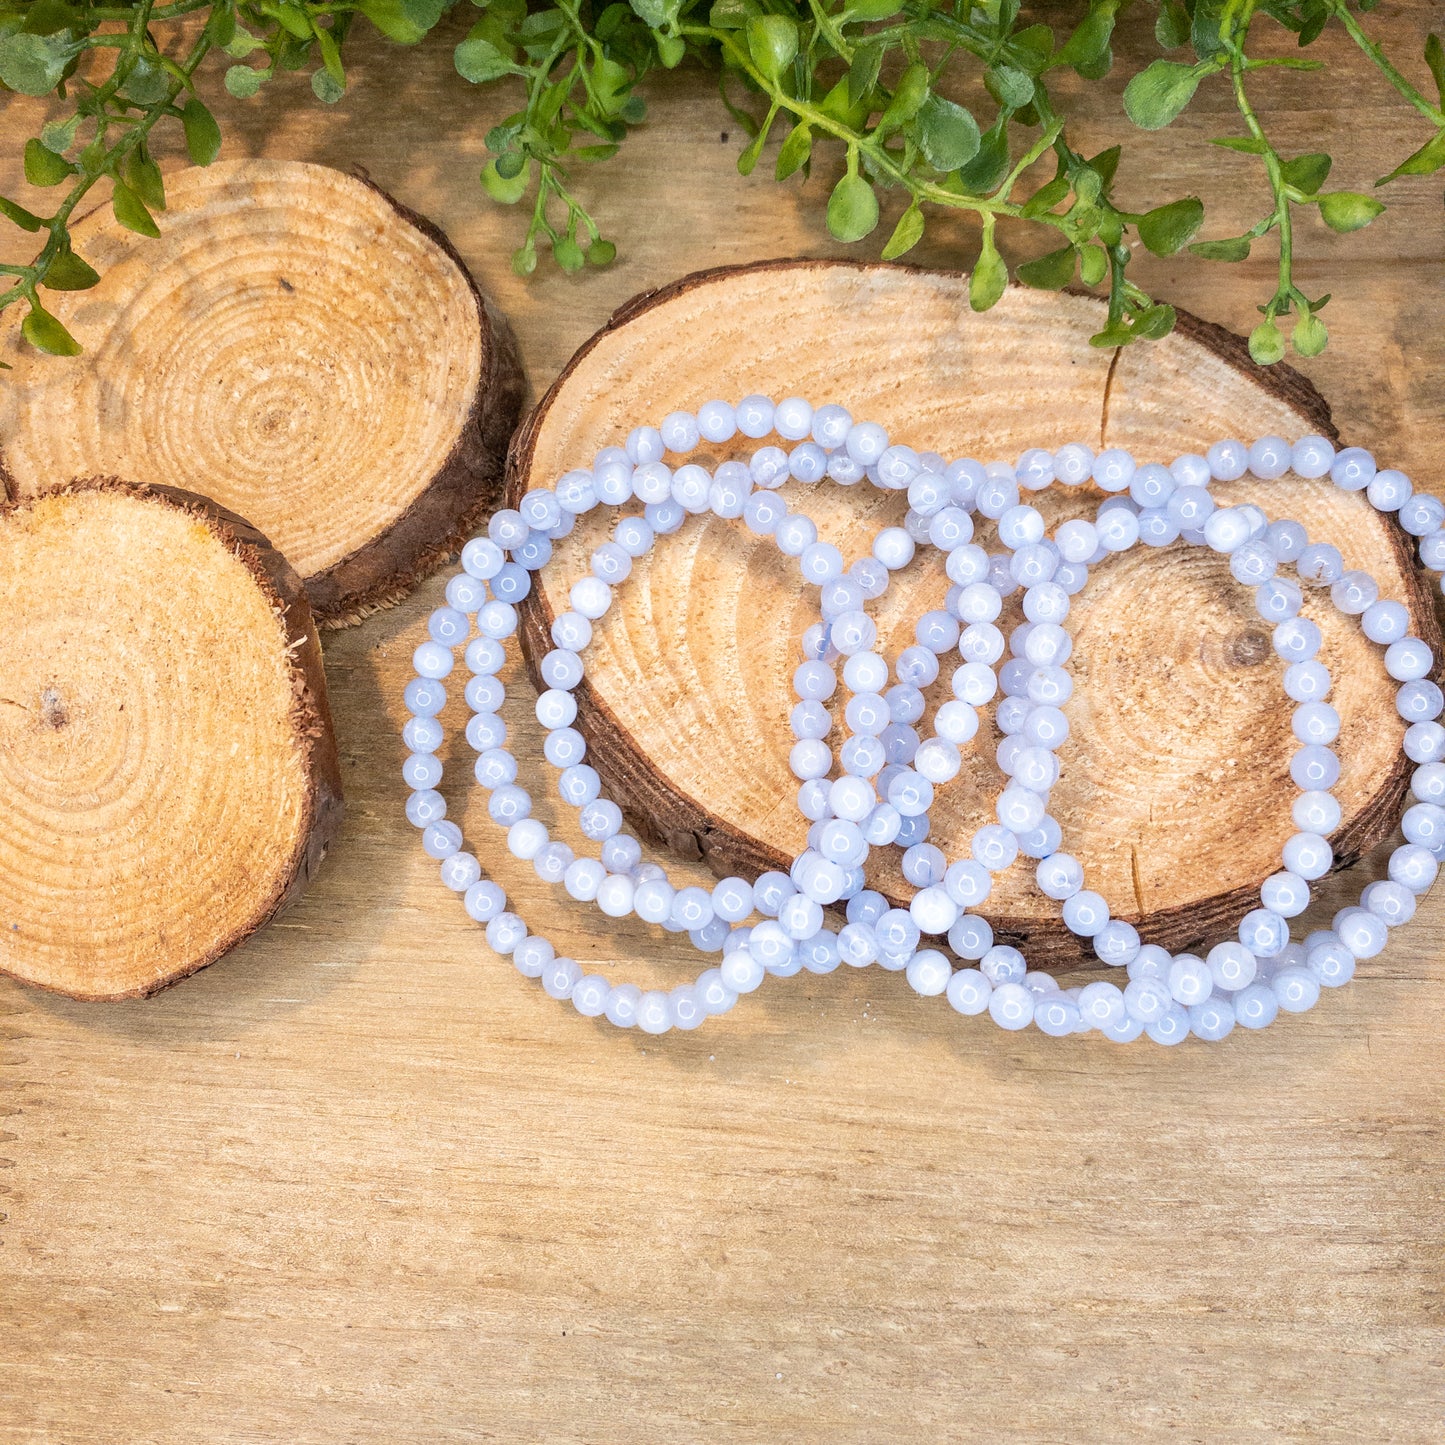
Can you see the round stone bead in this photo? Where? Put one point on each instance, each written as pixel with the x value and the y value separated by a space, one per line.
pixel 969 991
pixel 1313 767
pixel 1295 989
pixel 1270 457
pixel 1364 933
pixel 1420 701
pixel 1308 856
pixel 1233 965
pixel 1306 681
pixel 1385 622
pixel 1190 980
pixel 1147 999
pixel 1329 960
pixel 1392 902
pixel 1011 1006
pixel 1256 1007
pixel 1285 894
pixel 1311 457
pixel 1212 1020
pixel 1228 460
pixel 1353 469
pixel 1354 592
pixel 1408 659
pixel 1389 491
pixel 1073 464
pixel 1085 913
pixel 1413 866
pixel 929 972
pixel 1225 530
pixel 1172 1027
pixel 1320 564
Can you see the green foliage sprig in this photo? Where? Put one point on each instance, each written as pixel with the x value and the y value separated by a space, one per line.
pixel 871 83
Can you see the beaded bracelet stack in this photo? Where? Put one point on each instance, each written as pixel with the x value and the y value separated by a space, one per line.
pixel 886 772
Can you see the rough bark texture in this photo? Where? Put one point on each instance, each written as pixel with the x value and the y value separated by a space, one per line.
pixel 298 346
pixel 168 770
pixel 1175 791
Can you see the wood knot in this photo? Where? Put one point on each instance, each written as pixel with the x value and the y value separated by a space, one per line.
pixel 1248 649
pixel 285 284
pixel 52 710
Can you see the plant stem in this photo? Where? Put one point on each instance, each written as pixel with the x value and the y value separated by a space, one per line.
pixel 1382 63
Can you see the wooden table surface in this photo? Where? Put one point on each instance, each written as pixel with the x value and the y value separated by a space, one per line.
pixel 360 1182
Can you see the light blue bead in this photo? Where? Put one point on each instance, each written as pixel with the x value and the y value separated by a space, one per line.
pixel 1306 681
pixel 1270 457
pixel 1228 460
pixel 1225 529
pixel 1256 1007
pixel 1212 1020
pixel 1308 855
pixel 1253 563
pixel 1172 1027
pixel 1285 894
pixel 1422 514
pixel 1362 932
pixel 1413 866
pixel 1147 999
pixel 1011 1006
pixel 1297 639
pixel 1420 701
pixel 1101 1004
pixel 1085 913
pixel 1117 942
pixel 424 807
pixel 1353 469
pixel 1276 599
pixel 1073 464
pixel 1295 989
pixel 1232 965
pixel 1150 962
pixel 1385 622
pixel 1315 722
pixel 1320 564
pixel 484 900
pixel 1190 980
pixel 1314 767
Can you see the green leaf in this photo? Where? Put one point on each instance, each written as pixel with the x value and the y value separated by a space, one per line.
pixel 510 164
pixel 947 134
pixel 656 14
pixel 1154 323
pixel 326 88
pixel 866 10
pixel 612 81
pixel 1245 144
pixel 143 176
pixel 46 334
pixel 1158 93
pixel 731 14
pixel 1435 59
pixel 1424 162
pixel 772 43
pixel 203 135
pixel 795 152
pixel 1045 198
pixel 1348 210
pixel 1051 272
pixel 1310 335
pixel 243 81
pixel 508 190
pixel 34 64
pixel 749 158
pixel 241 44
pixel 1090 38
pixel 991 163
pixel 480 61
pixel 67 272
pixel 1307 173
pixel 59 135
pixel 602 253
pixel 1009 87
pixel 130 211
pixel 147 83
pixel 1266 345
pixel 392 18
pixel 906 234
pixel 1236 248
pixel 852 209
pixel 989 278
pixel 45 17
pixel 1171 29
pixel 1166 228
pixel 670 51
pixel 330 55
pixel 1093 265
pixel 26 220
pixel 1105 165
pixel 863 72
pixel 568 255
pixel 293 19
pixel 908 97
pixel 43 167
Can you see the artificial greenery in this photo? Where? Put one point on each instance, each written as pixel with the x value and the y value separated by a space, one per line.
pixel 867 81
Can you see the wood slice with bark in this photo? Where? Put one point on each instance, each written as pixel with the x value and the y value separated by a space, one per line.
pixel 296 345
pixel 168 771
pixel 1175 790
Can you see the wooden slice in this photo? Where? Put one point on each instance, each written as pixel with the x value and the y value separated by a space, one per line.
pixel 168 773
pixel 298 347
pixel 1175 790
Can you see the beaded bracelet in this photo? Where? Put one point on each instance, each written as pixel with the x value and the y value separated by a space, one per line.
pixel 941 497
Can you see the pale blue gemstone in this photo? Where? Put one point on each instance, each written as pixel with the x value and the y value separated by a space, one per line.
pixel 551 862
pixel 1233 965
pixel 929 972
pixel 1256 1007
pixel 1147 999
pixel 971 937
pixel 820 954
pixel 1034 469
pixel 621 853
pixel 526 839
pixel 532 956
pixel 1297 639
pixel 1049 686
pixel 1285 894
pixel 1320 564
pixel 1420 701
pixel 497 620
pixel 857 945
pixel 763 512
pixel 484 901
pixel 652 900
pixel 810 720
pixel 1077 540
pixel 896 467
pixel 622 1003
pixel 808 463
pixel 1042 841
pixel 1315 722
pixel 1364 933
pixel 562 746
pixel 577 492
pixel 1354 592
pixel 996 494
pixel 579 785
pixel 795 534
pixel 1171 1027
pixel 1117 942
pixel 994 846
pixel 1389 491
pixel 905 703
pixel 969 991
pixel 495 768
pixel 583 878
pixel 814 681
pixel 1392 902
pixel 1057 1015
pixel 466 593
pixel 1316 812
pixel 1190 980
pixel 929 494
pixel 1408 660
pixel 950 529
pixel 1228 460
pixel 1270 457
pixel 422 735
pixel 652 483
pixel 1060 876
pixel 755 416
pixel 924 865
pixel 884 825
pixel 1101 1004
pixel 1046 602
pixel 1308 855
pixel 1085 913
pixel 504 932
pixel 1046 727
pixel 810 758
pixel 1033 564
pixel 716 421
pixel 1385 622
pixel 1413 866
pixel 1150 962
pixel 1190 508
pixel 820 562
pixel 1288 539
pixel 1306 681
pixel 482 558
pixel 1277 599
pixel 1021 526
pixel 511 584
pixel 732 899
pixel 1330 961
pixel 486 730
pixel 1073 464
pixel 1151 485
pixel 1212 1020
pixel 1312 456
pixel 424 807
pixel 484 655
pixel 1253 563
pixel 1155 528
pixel 814 643
pixel 1118 527
pixel 1295 989
pixel 433 661
pixel 1353 469
pixel 916 667
pixel 1422 514
pixel 1226 528
pixel 1011 1006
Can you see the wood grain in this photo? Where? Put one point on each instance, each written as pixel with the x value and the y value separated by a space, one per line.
pixel 360 1183
pixel 1175 793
